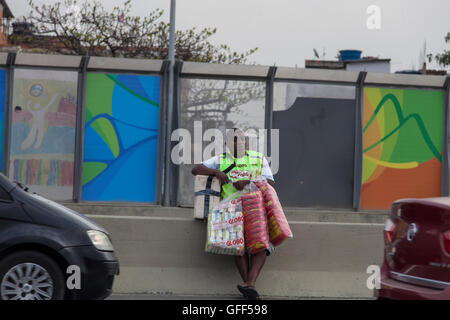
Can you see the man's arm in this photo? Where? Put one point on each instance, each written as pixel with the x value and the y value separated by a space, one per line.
pixel 200 169
pixel 266 172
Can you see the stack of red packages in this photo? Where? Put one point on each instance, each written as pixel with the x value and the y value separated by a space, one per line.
pixel 255 222
pixel 279 229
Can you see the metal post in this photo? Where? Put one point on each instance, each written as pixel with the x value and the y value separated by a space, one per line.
pixel 8 111
pixel 169 103
pixel 268 118
pixel 175 169
pixel 159 183
pixel 445 137
pixel 358 152
pixel 79 133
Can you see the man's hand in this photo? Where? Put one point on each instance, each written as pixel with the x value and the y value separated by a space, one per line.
pixel 223 178
pixel 200 169
pixel 241 184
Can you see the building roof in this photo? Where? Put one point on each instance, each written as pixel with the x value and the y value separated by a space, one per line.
pixel 364 60
pixel 324 64
pixel 337 64
pixel 6 11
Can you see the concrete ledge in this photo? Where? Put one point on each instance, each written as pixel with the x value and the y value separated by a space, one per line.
pixel 161 250
pixel 292 214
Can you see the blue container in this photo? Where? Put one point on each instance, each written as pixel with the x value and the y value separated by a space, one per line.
pixel 350 55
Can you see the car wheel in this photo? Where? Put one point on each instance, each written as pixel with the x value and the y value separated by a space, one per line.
pixel 30 275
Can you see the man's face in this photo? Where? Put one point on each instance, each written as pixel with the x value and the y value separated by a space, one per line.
pixel 236 139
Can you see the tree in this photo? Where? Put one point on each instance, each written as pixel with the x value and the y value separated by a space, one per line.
pixel 443 59
pixel 88 28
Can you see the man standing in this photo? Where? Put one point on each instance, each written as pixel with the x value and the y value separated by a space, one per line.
pixel 240 165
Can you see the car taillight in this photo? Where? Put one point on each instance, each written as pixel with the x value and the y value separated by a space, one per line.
pixel 389 228
pixel 447 241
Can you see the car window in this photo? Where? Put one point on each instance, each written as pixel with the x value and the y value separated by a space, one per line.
pixel 4 195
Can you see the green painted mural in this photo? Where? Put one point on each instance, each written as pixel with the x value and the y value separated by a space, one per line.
pixel 402 145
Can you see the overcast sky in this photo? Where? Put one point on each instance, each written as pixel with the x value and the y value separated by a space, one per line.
pixel 287 31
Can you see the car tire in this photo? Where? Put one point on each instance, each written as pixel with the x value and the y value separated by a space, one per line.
pixel 30 275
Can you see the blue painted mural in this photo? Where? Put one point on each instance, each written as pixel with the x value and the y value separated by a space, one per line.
pixel 120 138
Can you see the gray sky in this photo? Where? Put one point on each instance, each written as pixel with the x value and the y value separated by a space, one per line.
pixel 287 31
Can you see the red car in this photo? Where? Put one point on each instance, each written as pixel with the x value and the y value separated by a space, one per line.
pixel 417 250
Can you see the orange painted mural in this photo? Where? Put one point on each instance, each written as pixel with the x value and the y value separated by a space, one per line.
pixel 402 145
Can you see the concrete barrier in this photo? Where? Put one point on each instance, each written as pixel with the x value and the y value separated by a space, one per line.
pixel 161 250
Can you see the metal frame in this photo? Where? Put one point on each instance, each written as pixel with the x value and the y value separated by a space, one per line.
pixel 9 87
pixel 358 153
pixel 173 170
pixel 268 118
pixel 159 183
pixel 79 131
pixel 445 137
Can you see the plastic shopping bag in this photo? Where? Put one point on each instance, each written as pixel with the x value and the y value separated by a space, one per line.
pixel 279 229
pixel 255 221
pixel 225 233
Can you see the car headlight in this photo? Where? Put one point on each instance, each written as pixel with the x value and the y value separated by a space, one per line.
pixel 100 240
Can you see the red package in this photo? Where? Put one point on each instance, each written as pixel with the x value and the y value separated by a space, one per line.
pixel 255 222
pixel 279 229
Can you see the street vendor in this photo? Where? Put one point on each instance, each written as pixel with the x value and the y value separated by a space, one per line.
pixel 244 164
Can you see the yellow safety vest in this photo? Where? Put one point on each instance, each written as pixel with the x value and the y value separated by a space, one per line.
pixel 245 167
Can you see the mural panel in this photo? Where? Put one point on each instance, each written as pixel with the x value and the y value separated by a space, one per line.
pixel 43 131
pixel 402 145
pixel 121 137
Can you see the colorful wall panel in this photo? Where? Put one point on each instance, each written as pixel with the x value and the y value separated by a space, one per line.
pixel 43 131
pixel 2 110
pixel 402 145
pixel 120 138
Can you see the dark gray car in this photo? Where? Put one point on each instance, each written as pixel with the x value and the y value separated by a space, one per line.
pixel 48 251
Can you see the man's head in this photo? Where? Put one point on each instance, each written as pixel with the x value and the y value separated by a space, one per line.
pixel 235 142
